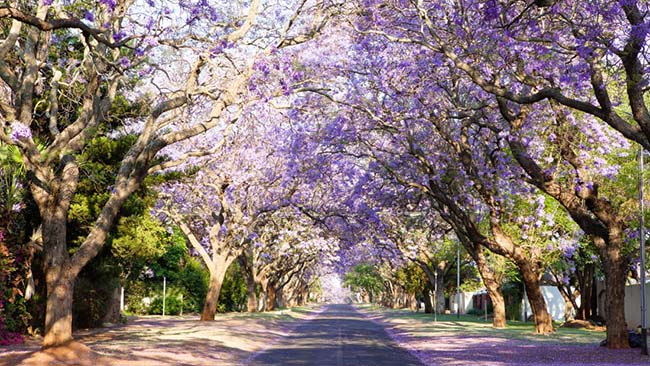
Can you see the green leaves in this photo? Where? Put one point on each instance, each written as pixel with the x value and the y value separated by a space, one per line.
pixel 140 239
pixel 364 277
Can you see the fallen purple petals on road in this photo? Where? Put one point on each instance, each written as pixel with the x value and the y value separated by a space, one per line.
pixel 452 349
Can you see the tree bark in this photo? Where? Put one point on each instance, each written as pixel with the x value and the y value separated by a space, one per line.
pixel 270 298
pixel 212 297
pixel 251 295
pixel 426 299
pixel 586 283
pixel 615 266
pixel 58 308
pixel 59 274
pixel 251 286
pixel 541 317
pixel 492 285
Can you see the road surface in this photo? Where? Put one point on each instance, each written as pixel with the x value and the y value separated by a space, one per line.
pixel 339 336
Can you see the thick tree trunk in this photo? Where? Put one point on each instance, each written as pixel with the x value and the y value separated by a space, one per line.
pixel 615 273
pixel 492 285
pixel 541 317
pixel 498 304
pixel 58 309
pixel 59 279
pixel 212 297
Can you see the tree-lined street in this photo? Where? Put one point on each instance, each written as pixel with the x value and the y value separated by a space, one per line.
pixel 209 157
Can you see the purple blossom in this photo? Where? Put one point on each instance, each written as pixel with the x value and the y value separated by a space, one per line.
pixel 125 62
pixel 2 235
pixel 151 41
pixel 16 207
pixel 118 36
pixel 110 4
pixel 47 2
pixel 20 131
pixel 88 15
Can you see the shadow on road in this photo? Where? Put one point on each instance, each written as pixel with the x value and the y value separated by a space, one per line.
pixel 339 336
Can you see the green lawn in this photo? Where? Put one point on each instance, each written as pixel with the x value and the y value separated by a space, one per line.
pixel 423 325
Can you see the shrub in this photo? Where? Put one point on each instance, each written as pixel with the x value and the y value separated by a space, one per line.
pixel 233 291
pixel 194 278
pixel 513 294
pixel 174 303
pixel 473 311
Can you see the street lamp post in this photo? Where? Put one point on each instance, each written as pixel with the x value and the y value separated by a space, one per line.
pixel 435 295
pixel 458 279
pixel 644 346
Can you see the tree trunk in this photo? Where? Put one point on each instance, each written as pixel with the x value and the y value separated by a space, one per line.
pixel 261 301
pixel 212 297
pixel 492 285
pixel 251 286
pixel 251 295
pixel 58 309
pixel 586 283
pixel 498 304
pixel 614 267
pixel 281 297
pixel 303 295
pixel 270 298
pixel 412 301
pixel 541 317
pixel 426 299
pixel 439 295
pixel 59 279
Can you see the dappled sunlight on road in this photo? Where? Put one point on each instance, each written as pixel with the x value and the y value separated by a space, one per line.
pixel 475 343
pixel 159 341
pixel 339 336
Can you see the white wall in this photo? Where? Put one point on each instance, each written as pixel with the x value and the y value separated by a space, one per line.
pixel 465 302
pixel 554 303
pixel 633 305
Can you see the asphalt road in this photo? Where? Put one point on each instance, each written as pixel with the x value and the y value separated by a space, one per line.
pixel 339 336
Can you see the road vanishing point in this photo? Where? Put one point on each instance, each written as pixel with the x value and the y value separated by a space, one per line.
pixel 338 336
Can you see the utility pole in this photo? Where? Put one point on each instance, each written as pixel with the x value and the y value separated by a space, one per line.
pixel 644 332
pixel 164 294
pixel 458 279
pixel 435 295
